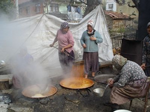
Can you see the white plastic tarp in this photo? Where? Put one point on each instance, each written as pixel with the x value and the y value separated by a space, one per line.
pixel 38 32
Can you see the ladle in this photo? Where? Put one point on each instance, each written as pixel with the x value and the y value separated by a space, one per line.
pixel 106 87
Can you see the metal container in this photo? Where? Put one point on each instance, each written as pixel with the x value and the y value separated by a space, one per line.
pixel 2 64
pixel 99 92
pixel 34 91
pixel 78 69
pixel 122 110
pixel 102 78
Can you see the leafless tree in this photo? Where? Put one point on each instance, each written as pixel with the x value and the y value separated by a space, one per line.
pixel 91 4
pixel 136 2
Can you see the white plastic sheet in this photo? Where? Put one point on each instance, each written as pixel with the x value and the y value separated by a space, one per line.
pixel 44 28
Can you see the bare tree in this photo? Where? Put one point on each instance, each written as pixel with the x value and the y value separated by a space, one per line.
pixel 136 2
pixel 91 4
pixel 143 6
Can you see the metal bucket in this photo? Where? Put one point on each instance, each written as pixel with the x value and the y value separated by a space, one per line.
pixel 99 92
pixel 122 110
pixel 78 69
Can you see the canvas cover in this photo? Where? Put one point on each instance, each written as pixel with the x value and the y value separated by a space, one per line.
pixel 38 32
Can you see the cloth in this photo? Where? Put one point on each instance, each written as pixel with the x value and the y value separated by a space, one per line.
pixel 64 25
pixel 147 70
pixel 145 54
pixel 37 38
pixel 148 24
pixel 90 62
pixel 124 94
pixel 131 71
pixel 146 50
pixel 90 23
pixel 65 39
pixel 69 8
pixel 78 10
pixel 91 46
pixel 119 61
pixel 66 61
pixel 91 33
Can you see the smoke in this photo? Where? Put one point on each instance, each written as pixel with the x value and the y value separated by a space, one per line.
pixel 27 72
pixel 44 64
pixel 9 41
pixel 24 69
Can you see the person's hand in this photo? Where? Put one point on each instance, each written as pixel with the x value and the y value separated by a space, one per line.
pixel 51 45
pixel 84 45
pixel 143 66
pixel 110 82
pixel 92 38
pixel 63 50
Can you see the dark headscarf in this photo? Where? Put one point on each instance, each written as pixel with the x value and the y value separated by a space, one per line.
pixel 64 25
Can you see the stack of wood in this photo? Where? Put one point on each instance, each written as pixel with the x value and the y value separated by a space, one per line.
pixel 4 82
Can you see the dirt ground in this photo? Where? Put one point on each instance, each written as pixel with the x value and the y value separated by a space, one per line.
pixel 65 100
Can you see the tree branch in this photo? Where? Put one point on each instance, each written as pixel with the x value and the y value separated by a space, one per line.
pixel 83 2
pixel 118 1
pixel 136 2
pixel 133 6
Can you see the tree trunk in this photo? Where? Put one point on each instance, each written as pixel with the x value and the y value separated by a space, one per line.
pixel 144 18
pixel 91 4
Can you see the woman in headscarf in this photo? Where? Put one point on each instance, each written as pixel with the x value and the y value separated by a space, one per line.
pixel 66 43
pixel 89 40
pixel 131 82
pixel 146 52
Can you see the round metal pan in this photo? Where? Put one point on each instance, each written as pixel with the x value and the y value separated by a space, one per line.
pixel 35 91
pixel 76 83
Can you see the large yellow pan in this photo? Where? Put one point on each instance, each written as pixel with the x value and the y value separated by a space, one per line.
pixel 76 83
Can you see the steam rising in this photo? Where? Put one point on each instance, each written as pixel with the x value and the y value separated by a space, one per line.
pixel 14 51
pixel 26 72
pixel 13 38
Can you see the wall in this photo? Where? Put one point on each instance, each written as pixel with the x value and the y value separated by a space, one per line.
pixel 30 9
pixel 126 9
pixel 111 5
pixel 23 1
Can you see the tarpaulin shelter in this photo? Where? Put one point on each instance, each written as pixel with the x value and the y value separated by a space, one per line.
pixel 38 32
